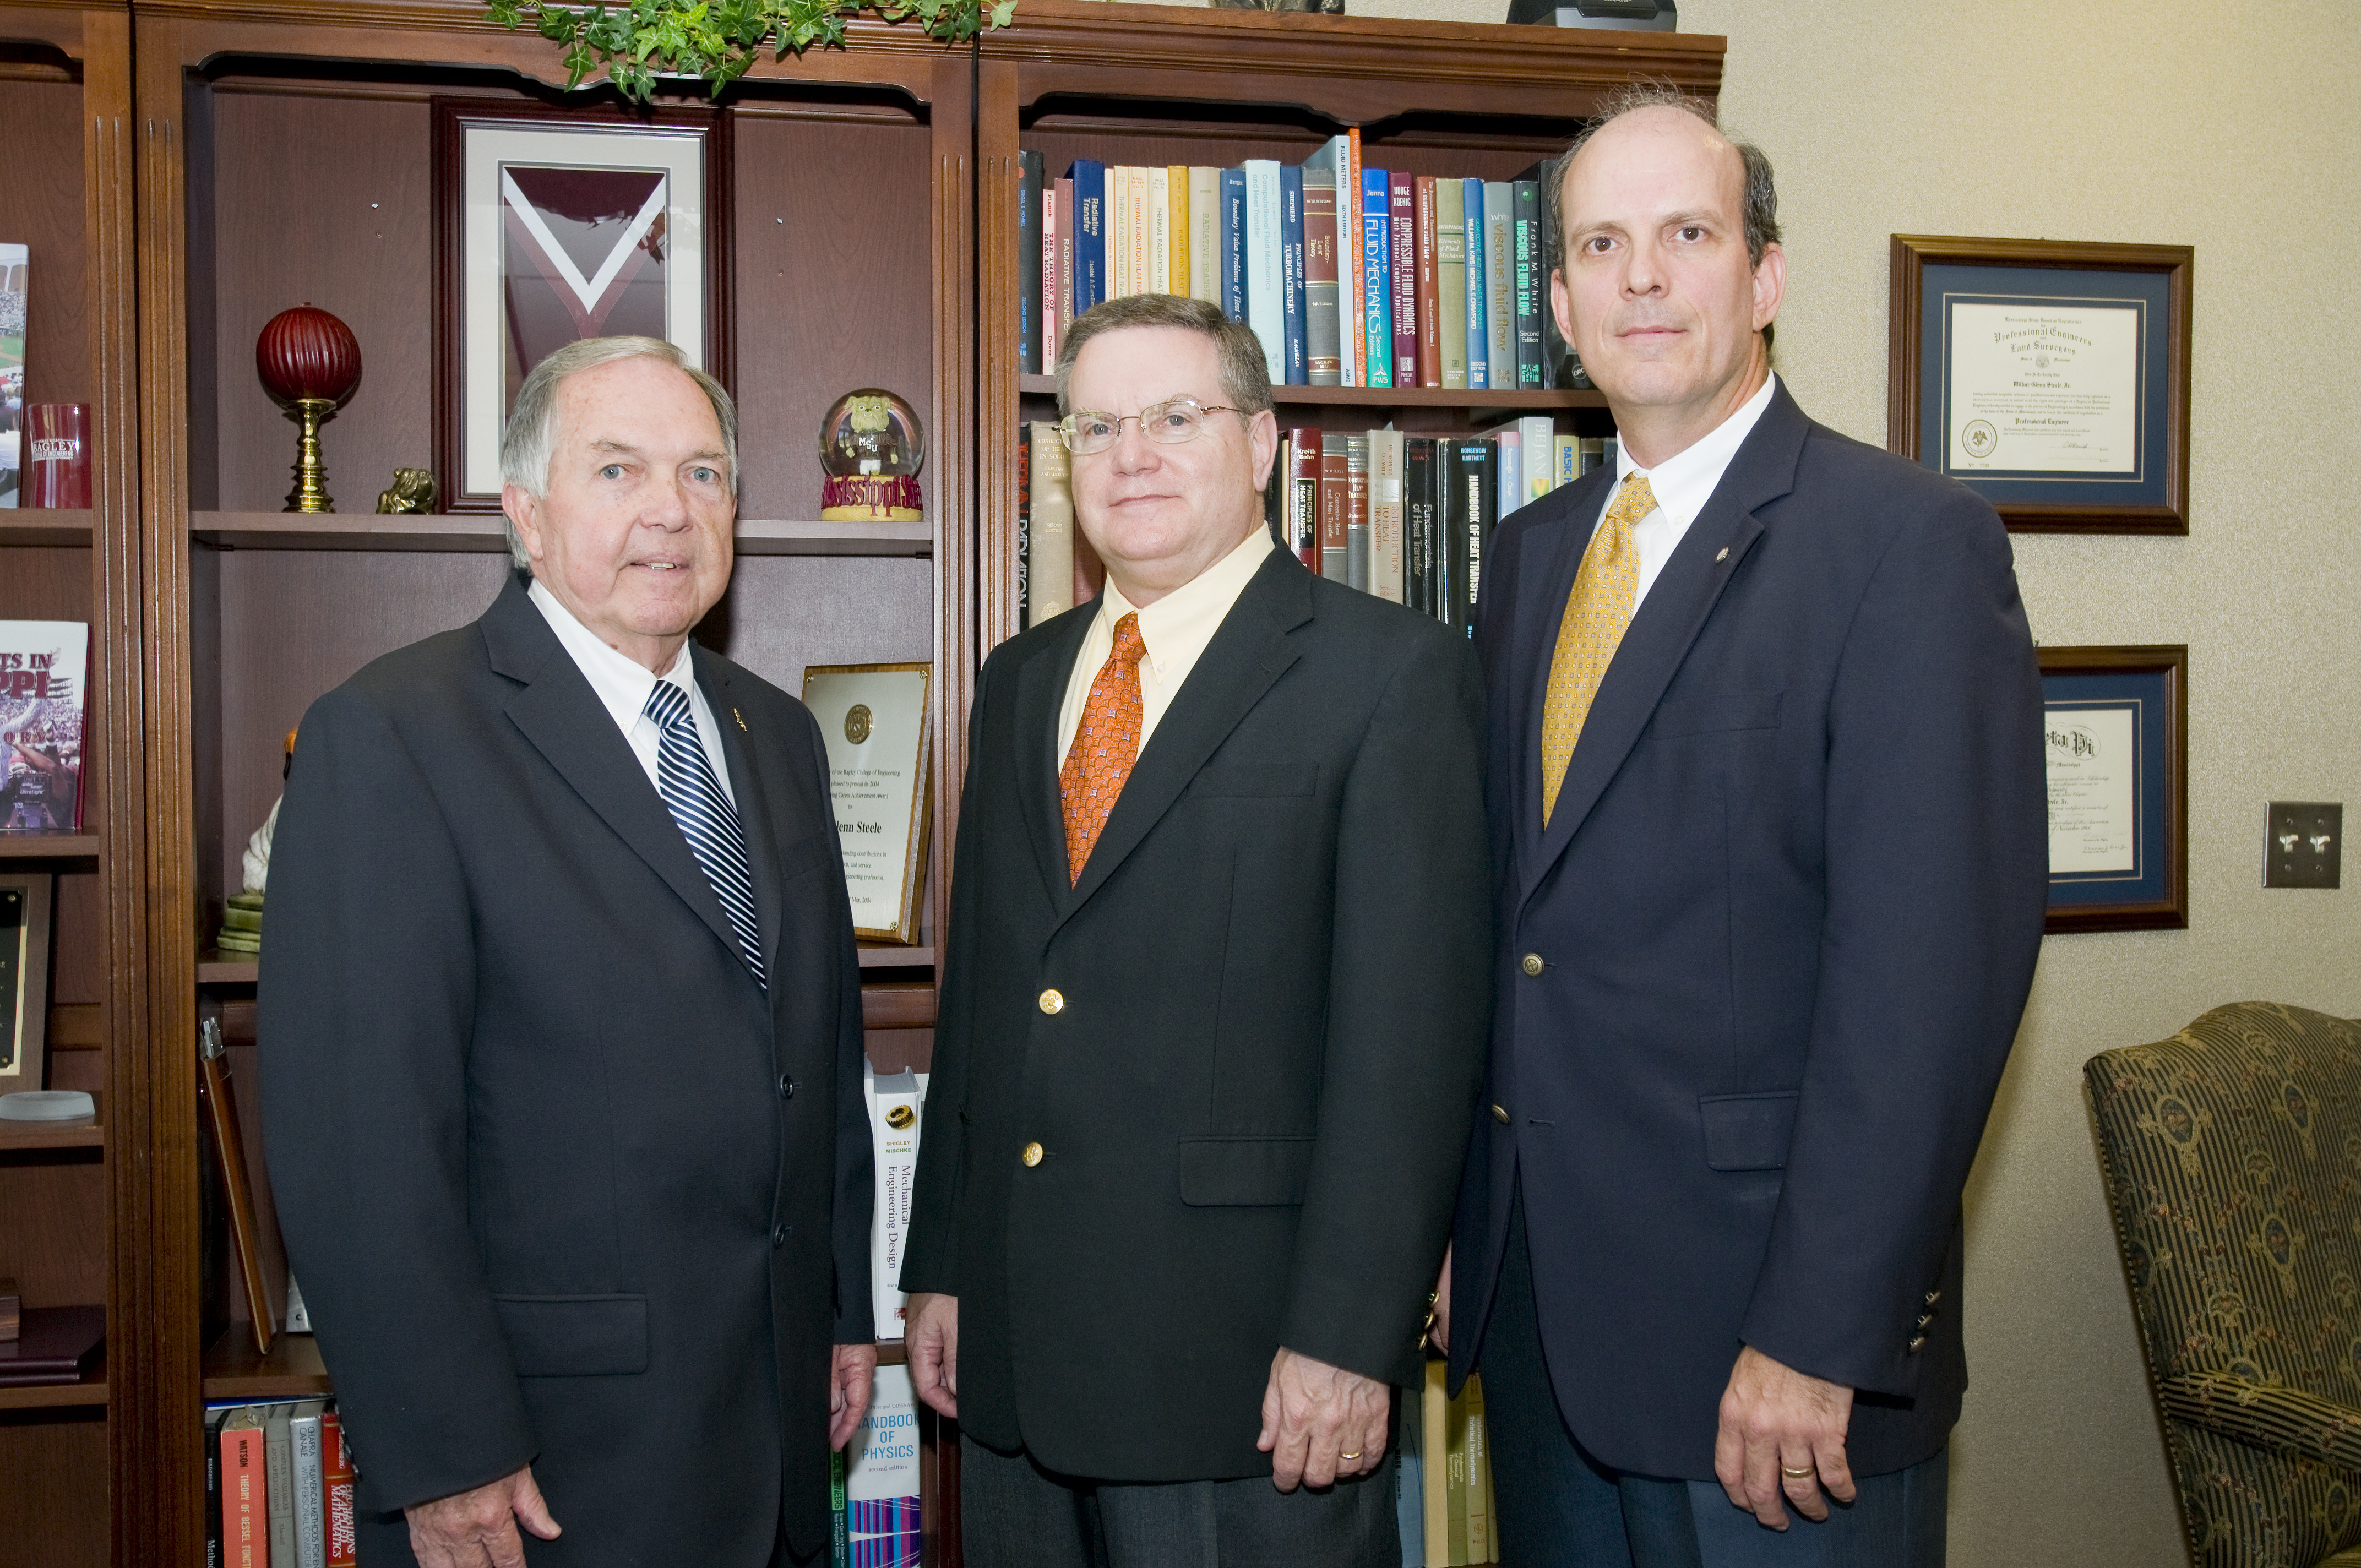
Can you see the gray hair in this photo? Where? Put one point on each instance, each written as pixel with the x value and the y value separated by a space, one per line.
pixel 1760 210
pixel 1245 374
pixel 531 440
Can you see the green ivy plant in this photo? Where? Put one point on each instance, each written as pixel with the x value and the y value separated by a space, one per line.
pixel 638 42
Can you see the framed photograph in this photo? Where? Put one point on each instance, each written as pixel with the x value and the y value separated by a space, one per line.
pixel 874 720
pixel 2116 737
pixel 24 979
pixel 2050 376
pixel 555 226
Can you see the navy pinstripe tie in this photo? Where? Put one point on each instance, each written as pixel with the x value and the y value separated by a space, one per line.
pixel 693 796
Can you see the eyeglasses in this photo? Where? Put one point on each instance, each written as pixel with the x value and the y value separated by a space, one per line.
pixel 1167 423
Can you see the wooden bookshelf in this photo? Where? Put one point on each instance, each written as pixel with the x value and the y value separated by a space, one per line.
pixel 47 846
pixel 1392 397
pixel 80 1133
pixel 90 1389
pixel 24 525
pixel 233 1369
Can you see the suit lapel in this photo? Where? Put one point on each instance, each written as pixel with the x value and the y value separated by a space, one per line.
pixel 1040 694
pixel 1248 653
pixel 746 784
pixel 1666 624
pixel 563 718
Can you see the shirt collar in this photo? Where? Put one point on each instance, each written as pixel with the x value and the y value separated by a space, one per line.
pixel 1685 482
pixel 1193 611
pixel 622 683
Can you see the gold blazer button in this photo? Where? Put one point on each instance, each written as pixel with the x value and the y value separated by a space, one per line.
pixel 1533 965
pixel 1500 1113
pixel 1032 1155
pixel 1052 1002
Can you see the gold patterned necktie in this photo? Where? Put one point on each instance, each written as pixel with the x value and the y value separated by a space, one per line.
pixel 1596 612
pixel 1106 747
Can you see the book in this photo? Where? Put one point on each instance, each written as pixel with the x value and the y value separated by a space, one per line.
pixel 1232 242
pixel 1303 496
pixel 1524 207
pixel 840 1539
pixel 1206 234
pixel 1046 276
pixel 1155 187
pixel 1377 281
pixel 1409 1482
pixel 1467 515
pixel 1336 561
pixel 279 1471
pixel 1540 445
pixel 1499 285
pixel 1565 465
pixel 1274 497
pixel 44 666
pixel 896 1105
pixel 16 267
pixel 1357 509
pixel 1118 220
pixel 1434 1443
pixel 1294 373
pixel 246 1490
pixel 1594 454
pixel 1401 236
pixel 1144 242
pixel 214 1416
pixel 1029 263
pixel 1265 311
pixel 310 1502
pixel 1348 258
pixel 1560 366
pixel 1507 463
pixel 1455 1502
pixel 54 1345
pixel 1429 325
pixel 1024 526
pixel 1480 1548
pixel 11 1309
pixel 1451 281
pixel 1323 363
pixel 1386 514
pixel 1089 175
pixel 1065 269
pixel 337 1478
pixel 1418 523
pixel 1176 230
pixel 1049 580
pixel 1479 336
pixel 881 1477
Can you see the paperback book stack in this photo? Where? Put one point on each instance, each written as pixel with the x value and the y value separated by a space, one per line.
pixel 1350 275
pixel 241 927
pixel 278 1485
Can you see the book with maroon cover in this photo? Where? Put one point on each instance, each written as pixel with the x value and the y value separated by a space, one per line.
pixel 336 1477
pixel 54 1345
pixel 1304 495
pixel 1430 298
pixel 1053 224
pixel 1401 234
pixel 1065 267
pixel 1024 523
pixel 1324 356
pixel 246 1492
pixel 1336 488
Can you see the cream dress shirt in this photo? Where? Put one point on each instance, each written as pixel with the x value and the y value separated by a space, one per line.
pixel 623 684
pixel 1683 483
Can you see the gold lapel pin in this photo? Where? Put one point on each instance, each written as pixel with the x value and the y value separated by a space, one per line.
pixel 741 718
pixel 1723 556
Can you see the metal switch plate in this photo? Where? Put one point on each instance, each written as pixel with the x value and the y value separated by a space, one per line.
pixel 2302 843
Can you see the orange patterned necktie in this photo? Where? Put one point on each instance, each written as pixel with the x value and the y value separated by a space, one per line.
pixel 1105 747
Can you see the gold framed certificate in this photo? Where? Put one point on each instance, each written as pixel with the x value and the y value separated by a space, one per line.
pixel 875 721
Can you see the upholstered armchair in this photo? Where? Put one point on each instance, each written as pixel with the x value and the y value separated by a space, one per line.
pixel 2232 1153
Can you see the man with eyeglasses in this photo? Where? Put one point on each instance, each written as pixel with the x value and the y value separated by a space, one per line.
pixel 1214 1013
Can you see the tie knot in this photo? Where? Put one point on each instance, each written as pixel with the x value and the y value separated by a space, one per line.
pixel 667 704
pixel 1127 645
pixel 1634 501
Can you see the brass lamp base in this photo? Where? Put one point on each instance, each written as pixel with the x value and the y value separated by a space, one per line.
pixel 311 491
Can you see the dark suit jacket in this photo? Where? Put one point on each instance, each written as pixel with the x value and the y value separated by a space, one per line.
pixel 561 1182
pixel 1788 907
pixel 1253 1104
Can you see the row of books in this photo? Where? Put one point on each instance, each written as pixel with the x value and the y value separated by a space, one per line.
pixel 1442 1479
pixel 279 1486
pixel 1351 277
pixel 1403 516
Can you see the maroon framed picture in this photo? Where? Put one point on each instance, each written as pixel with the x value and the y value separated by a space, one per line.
pixel 558 225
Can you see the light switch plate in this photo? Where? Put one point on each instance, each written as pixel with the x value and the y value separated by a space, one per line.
pixel 2302 843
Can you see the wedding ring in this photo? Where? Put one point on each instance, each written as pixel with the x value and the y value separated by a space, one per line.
pixel 1794 1473
pixel 1355 1454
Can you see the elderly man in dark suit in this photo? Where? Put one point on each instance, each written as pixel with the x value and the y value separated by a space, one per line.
pixel 561 1034
pixel 1214 1014
pixel 1768 832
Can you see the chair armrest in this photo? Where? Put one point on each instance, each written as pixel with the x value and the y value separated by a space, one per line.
pixel 2268 1416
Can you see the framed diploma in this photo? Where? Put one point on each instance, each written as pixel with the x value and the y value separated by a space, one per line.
pixel 2116 737
pixel 874 720
pixel 550 227
pixel 2049 376
pixel 24 977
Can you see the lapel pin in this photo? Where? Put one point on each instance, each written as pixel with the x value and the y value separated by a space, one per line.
pixel 741 718
pixel 1723 556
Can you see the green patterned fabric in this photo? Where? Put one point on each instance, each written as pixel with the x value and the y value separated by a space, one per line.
pixel 2232 1153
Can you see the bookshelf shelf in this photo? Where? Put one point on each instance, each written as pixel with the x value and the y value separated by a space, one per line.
pixel 90 1390
pixel 26 525
pixel 482 534
pixel 49 846
pixel 234 1370
pixel 17 1137
pixel 899 1005
pixel 1388 397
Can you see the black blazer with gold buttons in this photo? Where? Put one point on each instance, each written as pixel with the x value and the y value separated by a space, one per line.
pixel 1213 1098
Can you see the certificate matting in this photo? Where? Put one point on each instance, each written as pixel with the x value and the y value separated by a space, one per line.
pixel 876 721
pixel 2115 750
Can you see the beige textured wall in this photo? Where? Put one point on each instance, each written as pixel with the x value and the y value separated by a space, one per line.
pixel 2165 121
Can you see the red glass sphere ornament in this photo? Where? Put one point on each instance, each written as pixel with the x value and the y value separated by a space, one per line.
pixel 310 362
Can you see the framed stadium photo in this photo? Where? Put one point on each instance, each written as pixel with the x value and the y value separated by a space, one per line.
pixel 555 226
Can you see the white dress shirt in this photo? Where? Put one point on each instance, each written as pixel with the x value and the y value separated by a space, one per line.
pixel 1175 631
pixel 623 684
pixel 1682 483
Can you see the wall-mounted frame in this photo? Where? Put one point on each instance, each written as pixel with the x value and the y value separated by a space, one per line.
pixel 2049 376
pixel 875 720
pixel 2115 735
pixel 24 979
pixel 552 227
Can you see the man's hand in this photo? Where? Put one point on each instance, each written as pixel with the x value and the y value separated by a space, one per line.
pixel 1438 1333
pixel 1320 1423
pixel 1775 1422
pixel 471 1528
pixel 930 1337
pixel 849 1385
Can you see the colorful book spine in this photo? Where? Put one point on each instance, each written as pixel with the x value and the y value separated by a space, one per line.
pixel 1468 510
pixel 1508 465
pixel 1386 514
pixel 1377 283
pixel 1356 510
pixel 310 1502
pixel 337 1479
pixel 1568 469
pixel 1050 581
pixel 1541 470
pixel 1481 1549
pixel 1029 263
pixel 1401 236
pixel 1430 300
pixel 1265 311
pixel 1322 361
pixel 882 1508
pixel 1533 295
pixel 1349 180
pixel 840 1539
pixel 1418 523
pixel 1479 336
pixel 1156 210
pixel 278 1466
pixel 246 1491
pixel 1303 496
pixel 1335 510
pixel 1296 371
pixel 1024 527
pixel 1232 242
pixel 896 1108
pixel 1175 229
pixel 1143 241
pixel 1206 234
pixel 1435 1421
pixel 1045 275
pixel 1090 233
pixel 1065 273
pixel 1451 280
pixel 1499 284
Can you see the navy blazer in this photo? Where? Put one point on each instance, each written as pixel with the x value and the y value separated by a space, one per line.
pixel 1787 912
